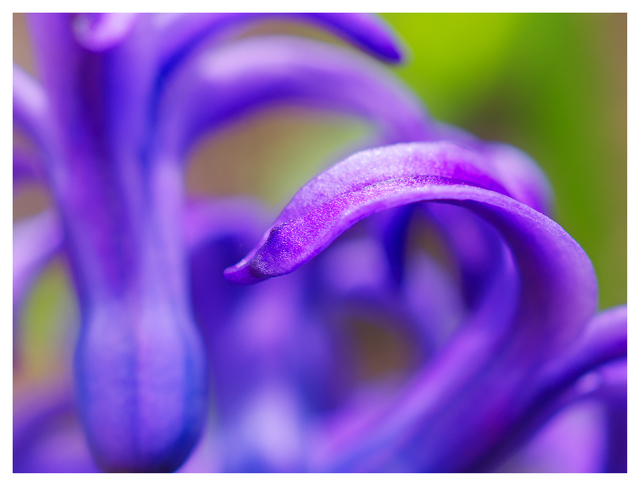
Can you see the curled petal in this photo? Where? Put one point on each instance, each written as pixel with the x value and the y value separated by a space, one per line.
pixel 178 33
pixel 218 86
pixel 100 31
pixel 356 178
pixel 474 381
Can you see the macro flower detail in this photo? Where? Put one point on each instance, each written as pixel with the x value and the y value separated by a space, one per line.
pixel 167 317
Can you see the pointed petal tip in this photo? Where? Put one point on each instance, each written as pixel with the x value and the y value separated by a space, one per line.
pixel 244 273
pixel 392 52
pixel 370 32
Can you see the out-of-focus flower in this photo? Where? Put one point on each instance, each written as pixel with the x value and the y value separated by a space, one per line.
pixel 122 100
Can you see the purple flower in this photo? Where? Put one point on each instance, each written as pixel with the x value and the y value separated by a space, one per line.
pixel 123 98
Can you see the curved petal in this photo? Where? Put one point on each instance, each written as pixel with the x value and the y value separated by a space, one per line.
pixel 348 179
pixel 473 382
pixel 522 177
pixel 30 107
pixel 179 33
pixel 518 172
pixel 220 85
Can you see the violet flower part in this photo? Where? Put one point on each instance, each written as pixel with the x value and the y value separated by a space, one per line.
pixel 216 87
pixel 520 174
pixel 354 278
pixel 254 339
pixel 115 88
pixel 139 363
pixel 571 376
pixel 587 433
pixel 375 166
pixel 475 245
pixel 178 33
pixel 558 295
pixel 125 116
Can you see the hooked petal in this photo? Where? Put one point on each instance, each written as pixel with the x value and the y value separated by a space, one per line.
pixel 552 284
pixel 355 178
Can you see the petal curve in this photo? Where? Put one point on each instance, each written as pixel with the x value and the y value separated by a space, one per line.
pixel 557 296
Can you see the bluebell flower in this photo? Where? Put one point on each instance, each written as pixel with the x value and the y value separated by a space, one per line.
pixel 513 344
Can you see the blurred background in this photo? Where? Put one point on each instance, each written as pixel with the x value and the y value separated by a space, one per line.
pixel 553 85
